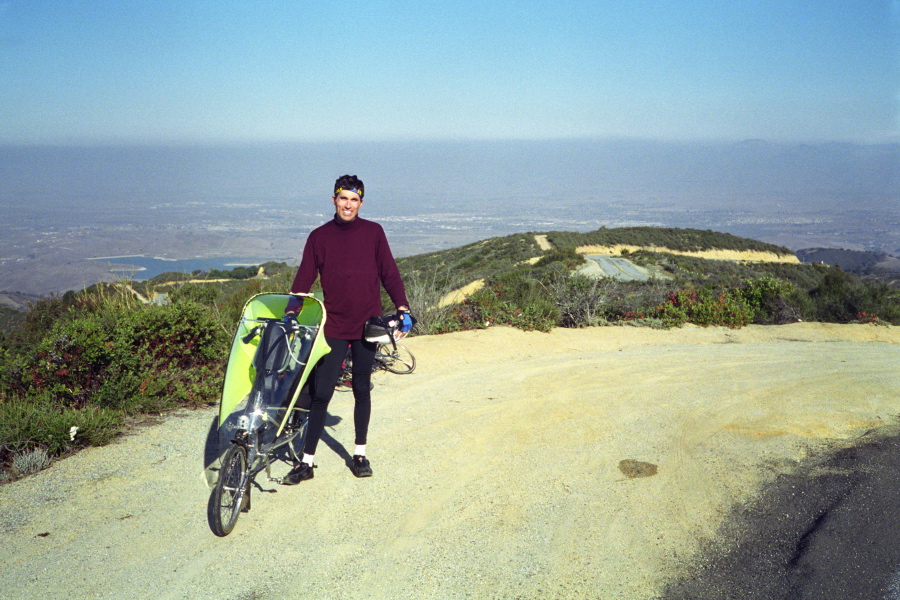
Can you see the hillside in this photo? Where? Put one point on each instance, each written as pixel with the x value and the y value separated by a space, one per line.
pixel 872 266
pixel 536 266
pixel 671 239
pixel 525 280
pixel 855 261
pixel 491 257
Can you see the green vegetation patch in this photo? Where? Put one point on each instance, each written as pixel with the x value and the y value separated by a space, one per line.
pixel 680 240
pixel 472 261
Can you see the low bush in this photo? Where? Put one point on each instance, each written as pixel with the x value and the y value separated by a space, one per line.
pixel 843 298
pixel 582 300
pixel 135 360
pixel 97 358
pixel 703 307
pixel 679 239
pixel 772 301
pixel 198 293
pixel 514 299
pixel 30 462
pixel 567 257
pixel 27 424
pixel 425 291
pixel 519 300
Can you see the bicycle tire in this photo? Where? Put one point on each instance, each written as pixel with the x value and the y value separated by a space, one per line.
pixel 230 490
pixel 400 362
pixel 344 382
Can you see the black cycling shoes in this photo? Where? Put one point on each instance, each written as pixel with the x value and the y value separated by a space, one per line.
pixel 360 466
pixel 299 473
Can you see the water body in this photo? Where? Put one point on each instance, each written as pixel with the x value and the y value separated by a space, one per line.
pixel 142 268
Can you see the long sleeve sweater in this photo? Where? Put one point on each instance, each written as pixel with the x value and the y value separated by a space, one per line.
pixel 353 261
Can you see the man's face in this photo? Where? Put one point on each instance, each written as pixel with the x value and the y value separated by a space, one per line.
pixel 346 205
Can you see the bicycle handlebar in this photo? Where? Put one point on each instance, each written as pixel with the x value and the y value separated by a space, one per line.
pixel 265 321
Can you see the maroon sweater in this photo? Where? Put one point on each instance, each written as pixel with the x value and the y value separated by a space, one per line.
pixel 353 260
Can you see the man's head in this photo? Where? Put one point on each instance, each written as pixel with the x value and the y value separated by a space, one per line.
pixel 348 196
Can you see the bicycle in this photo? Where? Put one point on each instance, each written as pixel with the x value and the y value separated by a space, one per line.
pixel 392 357
pixel 264 402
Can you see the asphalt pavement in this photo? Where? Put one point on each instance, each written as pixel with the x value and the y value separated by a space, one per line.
pixel 829 531
pixel 615 268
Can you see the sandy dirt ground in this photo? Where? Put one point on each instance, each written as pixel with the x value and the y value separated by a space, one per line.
pixel 592 463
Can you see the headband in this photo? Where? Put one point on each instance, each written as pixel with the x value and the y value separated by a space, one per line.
pixel 358 190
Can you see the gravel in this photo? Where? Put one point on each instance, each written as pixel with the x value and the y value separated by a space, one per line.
pixel 497 473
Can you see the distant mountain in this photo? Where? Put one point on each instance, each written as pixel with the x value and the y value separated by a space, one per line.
pixel 17 301
pixel 875 267
pixel 855 261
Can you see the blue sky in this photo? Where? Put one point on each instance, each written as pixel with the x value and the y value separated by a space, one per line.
pixel 198 71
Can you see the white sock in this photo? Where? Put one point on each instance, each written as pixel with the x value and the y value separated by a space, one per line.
pixel 360 450
pixel 307 458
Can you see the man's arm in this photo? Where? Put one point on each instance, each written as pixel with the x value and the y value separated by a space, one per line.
pixel 390 274
pixel 307 272
pixel 303 280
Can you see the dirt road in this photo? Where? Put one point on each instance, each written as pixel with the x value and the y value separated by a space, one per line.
pixel 498 467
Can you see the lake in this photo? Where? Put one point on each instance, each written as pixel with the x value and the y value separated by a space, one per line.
pixel 142 268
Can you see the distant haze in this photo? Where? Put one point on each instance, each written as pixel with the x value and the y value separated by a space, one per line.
pixel 404 178
pixel 260 201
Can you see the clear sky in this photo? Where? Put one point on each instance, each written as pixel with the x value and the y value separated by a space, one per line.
pixel 209 71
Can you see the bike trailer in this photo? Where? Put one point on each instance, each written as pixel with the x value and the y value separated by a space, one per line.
pixel 290 361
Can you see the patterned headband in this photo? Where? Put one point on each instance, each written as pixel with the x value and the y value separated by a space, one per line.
pixel 358 191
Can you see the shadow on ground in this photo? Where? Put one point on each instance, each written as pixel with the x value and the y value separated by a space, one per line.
pixel 829 530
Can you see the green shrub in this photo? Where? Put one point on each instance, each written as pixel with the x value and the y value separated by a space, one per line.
pixel 198 293
pixel 30 461
pixel 581 300
pixel 515 299
pixel 567 257
pixel 705 307
pixel 40 422
pixel 425 291
pixel 771 300
pixel 135 360
pixel 845 298
pixel 674 239
pixel 235 273
pixel 10 319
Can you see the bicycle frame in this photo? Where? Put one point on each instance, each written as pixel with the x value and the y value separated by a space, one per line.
pixel 241 372
pixel 265 406
pixel 269 364
pixel 387 357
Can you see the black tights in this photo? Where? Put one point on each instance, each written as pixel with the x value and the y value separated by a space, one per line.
pixel 324 379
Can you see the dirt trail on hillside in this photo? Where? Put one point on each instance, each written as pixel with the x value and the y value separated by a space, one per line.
pixel 589 463
pixel 719 254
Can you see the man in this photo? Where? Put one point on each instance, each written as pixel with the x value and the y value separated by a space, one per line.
pixel 352 258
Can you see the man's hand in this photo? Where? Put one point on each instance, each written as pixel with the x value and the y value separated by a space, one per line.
pixel 290 321
pixel 405 319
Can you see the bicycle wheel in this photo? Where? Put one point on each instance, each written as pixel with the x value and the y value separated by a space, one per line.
pixel 228 495
pixel 400 361
pixel 344 382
